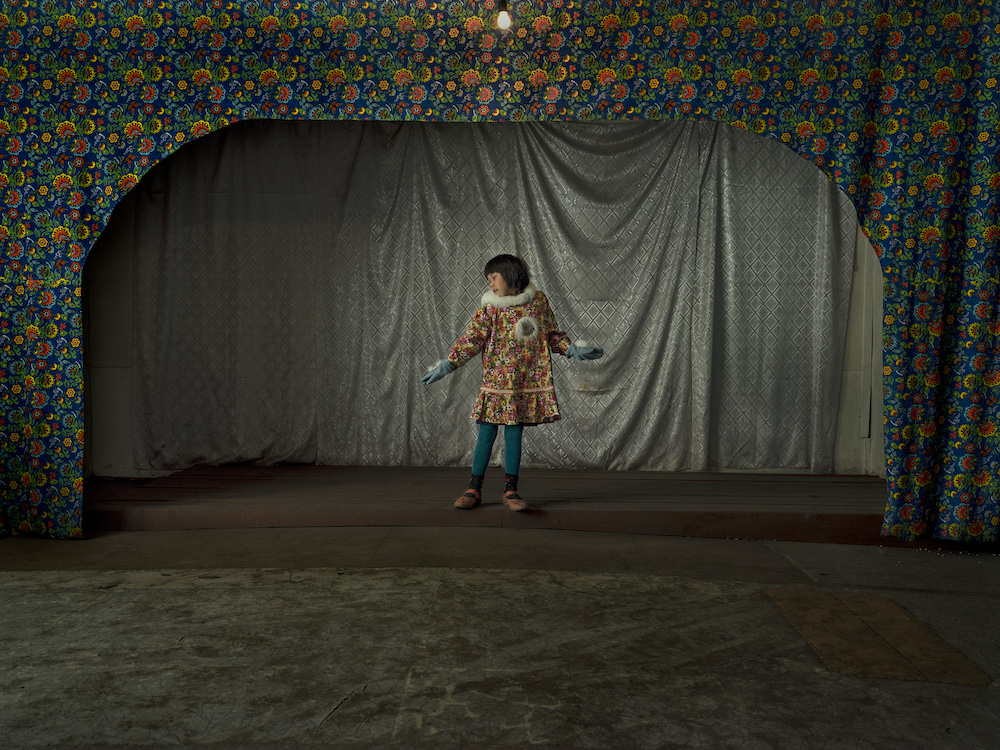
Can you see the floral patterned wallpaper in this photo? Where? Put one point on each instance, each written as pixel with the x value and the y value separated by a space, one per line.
pixel 896 100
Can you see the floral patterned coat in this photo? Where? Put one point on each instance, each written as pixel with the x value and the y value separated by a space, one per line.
pixel 516 335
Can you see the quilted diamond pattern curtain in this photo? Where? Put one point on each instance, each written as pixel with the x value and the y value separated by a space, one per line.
pixel 293 281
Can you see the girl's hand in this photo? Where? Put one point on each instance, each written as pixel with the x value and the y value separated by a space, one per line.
pixel 582 352
pixel 438 371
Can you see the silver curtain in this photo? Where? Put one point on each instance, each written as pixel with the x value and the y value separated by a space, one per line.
pixel 294 279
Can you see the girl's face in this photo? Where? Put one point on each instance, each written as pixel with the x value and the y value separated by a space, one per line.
pixel 499 286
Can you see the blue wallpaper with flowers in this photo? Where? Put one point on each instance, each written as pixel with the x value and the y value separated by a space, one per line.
pixel 896 100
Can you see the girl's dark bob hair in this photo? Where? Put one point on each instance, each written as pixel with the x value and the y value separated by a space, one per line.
pixel 512 269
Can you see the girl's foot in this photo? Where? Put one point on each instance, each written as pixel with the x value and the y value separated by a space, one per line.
pixel 514 502
pixel 469 500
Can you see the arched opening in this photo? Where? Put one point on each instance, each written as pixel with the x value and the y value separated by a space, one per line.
pixel 571 185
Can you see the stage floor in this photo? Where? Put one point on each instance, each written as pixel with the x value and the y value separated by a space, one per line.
pixel 785 507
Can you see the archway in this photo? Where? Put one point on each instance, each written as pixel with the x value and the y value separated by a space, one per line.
pixel 896 104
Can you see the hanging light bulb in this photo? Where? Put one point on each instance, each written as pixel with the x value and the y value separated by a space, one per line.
pixel 503 17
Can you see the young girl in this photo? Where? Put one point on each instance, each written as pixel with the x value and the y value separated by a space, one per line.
pixel 516 332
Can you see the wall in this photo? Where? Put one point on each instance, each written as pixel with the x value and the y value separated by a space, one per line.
pixel 859 447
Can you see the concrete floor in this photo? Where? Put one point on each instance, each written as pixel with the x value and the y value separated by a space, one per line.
pixel 491 638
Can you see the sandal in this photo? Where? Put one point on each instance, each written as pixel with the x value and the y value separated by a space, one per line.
pixel 469 500
pixel 514 502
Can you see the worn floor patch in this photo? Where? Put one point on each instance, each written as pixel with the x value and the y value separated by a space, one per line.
pixel 435 658
pixel 869 635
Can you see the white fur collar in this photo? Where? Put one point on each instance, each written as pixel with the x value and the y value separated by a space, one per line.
pixel 518 299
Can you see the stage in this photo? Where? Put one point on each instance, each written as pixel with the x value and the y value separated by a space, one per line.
pixel 784 507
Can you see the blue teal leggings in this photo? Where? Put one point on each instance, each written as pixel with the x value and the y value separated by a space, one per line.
pixel 512 434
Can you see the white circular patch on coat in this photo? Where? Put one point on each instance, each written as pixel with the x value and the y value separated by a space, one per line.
pixel 527 329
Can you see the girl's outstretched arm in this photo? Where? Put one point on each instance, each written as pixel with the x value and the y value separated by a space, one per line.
pixel 472 341
pixel 559 342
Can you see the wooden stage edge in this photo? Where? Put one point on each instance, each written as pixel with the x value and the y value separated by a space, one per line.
pixel 779 507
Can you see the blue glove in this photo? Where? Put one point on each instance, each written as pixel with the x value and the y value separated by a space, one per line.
pixel 438 371
pixel 582 351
